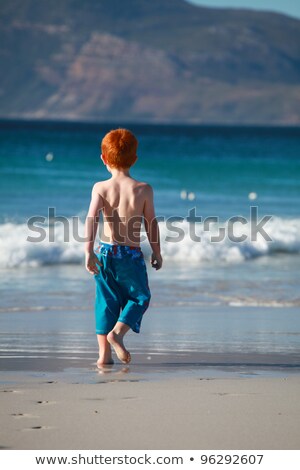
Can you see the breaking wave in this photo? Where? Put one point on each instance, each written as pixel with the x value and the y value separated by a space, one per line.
pixel 17 251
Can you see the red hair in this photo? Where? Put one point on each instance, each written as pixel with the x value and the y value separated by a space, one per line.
pixel 119 148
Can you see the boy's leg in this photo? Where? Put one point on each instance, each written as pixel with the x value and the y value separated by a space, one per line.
pixel 115 338
pixel 104 351
pixel 107 310
pixel 134 289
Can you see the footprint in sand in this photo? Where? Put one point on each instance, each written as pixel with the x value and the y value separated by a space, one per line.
pixel 34 428
pixel 97 399
pixel 45 402
pixel 23 415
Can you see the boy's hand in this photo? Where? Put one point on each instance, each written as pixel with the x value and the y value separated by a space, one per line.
pixel 156 261
pixel 91 262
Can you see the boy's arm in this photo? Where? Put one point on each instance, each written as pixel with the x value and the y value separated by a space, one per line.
pixel 152 228
pixel 91 225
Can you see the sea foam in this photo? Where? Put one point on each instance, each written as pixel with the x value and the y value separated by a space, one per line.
pixel 17 251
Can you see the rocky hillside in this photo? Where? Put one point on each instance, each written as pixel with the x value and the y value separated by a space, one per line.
pixel 148 61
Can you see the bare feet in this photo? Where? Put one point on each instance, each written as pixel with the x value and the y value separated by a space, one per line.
pixel 116 342
pixel 104 362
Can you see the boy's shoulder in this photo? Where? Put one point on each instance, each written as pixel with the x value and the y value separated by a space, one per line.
pixel 143 189
pixel 143 185
pixel 100 184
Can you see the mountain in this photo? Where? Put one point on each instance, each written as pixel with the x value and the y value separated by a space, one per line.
pixel 148 61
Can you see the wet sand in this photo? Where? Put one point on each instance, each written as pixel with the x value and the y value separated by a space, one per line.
pixel 229 381
pixel 124 411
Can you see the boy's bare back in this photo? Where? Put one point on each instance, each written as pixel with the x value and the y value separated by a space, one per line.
pixel 124 202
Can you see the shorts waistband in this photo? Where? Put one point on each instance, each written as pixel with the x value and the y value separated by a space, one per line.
pixel 117 246
pixel 118 251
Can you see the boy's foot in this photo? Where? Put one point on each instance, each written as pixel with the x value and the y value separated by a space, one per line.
pixel 102 362
pixel 117 343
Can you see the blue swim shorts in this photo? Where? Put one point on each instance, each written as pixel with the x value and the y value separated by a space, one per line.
pixel 122 290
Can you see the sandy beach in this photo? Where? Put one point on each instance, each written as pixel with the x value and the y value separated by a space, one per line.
pixel 119 412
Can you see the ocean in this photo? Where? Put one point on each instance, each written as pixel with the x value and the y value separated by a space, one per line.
pixel 228 202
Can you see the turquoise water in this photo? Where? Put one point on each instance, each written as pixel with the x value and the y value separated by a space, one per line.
pixel 220 165
pixel 55 165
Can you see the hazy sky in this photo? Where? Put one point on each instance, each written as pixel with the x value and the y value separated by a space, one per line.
pixel 290 7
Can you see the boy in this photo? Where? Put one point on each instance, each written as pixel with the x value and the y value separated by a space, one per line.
pixel 118 266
